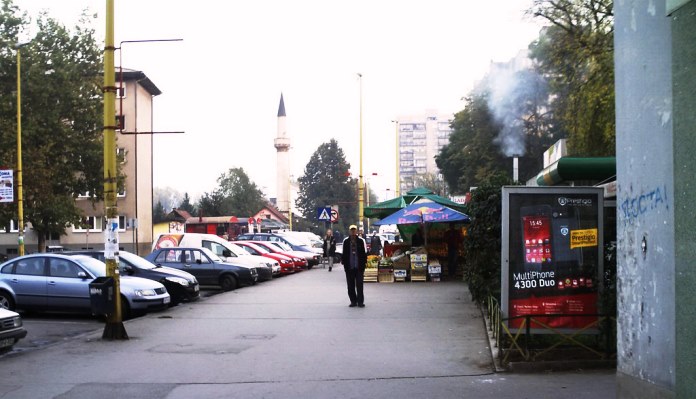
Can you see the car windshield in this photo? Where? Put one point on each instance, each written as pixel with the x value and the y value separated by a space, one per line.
pixel 96 267
pixel 294 241
pixel 236 249
pixel 135 260
pixel 282 245
pixel 211 255
pixel 259 248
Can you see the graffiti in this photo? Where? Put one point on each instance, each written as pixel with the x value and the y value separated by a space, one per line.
pixel 634 207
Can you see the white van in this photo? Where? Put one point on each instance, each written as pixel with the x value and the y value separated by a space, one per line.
pixel 226 250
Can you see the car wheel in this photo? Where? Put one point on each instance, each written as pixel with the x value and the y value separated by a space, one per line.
pixel 228 282
pixel 6 300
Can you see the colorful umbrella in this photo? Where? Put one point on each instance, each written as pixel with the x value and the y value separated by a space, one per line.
pixel 424 212
pixel 388 207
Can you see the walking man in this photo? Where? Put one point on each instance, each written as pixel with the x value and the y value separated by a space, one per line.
pixel 354 258
pixel 453 237
pixel 329 247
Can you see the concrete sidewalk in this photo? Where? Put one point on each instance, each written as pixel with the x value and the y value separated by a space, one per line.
pixel 295 337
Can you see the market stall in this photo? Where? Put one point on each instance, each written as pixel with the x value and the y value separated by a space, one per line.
pixel 422 220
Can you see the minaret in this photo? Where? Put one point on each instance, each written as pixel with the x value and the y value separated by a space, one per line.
pixel 282 145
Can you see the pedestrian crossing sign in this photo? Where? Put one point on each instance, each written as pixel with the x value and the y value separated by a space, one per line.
pixel 324 214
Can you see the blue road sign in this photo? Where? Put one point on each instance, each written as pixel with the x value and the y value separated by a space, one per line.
pixel 324 214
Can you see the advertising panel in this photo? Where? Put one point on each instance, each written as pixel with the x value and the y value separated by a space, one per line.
pixel 551 255
pixel 6 185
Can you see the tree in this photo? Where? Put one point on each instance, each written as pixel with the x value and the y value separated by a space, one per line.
pixel 159 215
pixel 576 54
pixel 186 205
pixel 432 182
pixel 471 155
pixel 236 195
pixel 326 181
pixel 62 150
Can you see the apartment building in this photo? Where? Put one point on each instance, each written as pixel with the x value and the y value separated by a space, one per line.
pixel 134 116
pixel 420 139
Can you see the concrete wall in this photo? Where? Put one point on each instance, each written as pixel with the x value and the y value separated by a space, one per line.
pixel 645 198
pixel 655 86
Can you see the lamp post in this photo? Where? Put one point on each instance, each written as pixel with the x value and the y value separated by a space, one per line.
pixel 360 176
pixel 367 197
pixel 20 193
pixel 396 146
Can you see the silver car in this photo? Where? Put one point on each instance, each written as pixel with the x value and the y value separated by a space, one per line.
pixel 51 281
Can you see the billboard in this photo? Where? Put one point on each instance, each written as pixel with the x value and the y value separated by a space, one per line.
pixel 551 255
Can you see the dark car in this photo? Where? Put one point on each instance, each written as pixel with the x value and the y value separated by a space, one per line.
pixel 313 258
pixel 207 267
pixel 182 286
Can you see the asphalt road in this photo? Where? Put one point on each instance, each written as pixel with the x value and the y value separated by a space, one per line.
pixel 293 337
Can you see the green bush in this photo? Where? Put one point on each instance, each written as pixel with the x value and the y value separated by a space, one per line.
pixel 483 243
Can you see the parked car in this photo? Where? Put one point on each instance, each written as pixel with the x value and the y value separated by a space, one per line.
pixel 285 264
pixel 52 281
pixel 11 329
pixel 299 262
pixel 313 256
pixel 181 286
pixel 208 268
pixel 224 249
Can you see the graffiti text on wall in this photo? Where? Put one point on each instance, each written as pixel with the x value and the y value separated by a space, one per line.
pixel 646 202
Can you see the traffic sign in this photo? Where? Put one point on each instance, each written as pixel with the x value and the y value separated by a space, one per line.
pixel 334 215
pixel 324 213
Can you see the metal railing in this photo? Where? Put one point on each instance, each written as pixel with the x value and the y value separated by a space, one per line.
pixel 519 341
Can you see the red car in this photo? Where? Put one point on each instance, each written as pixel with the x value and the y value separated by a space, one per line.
pixel 300 262
pixel 287 266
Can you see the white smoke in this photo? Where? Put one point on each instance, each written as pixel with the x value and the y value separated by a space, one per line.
pixel 511 86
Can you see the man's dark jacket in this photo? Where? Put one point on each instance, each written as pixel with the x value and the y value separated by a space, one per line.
pixel 362 254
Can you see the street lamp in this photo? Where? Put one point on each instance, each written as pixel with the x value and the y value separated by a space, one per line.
pixel 360 176
pixel 20 193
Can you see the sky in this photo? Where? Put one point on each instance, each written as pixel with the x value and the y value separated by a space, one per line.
pixel 222 83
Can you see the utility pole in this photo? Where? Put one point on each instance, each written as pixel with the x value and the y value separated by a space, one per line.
pixel 114 328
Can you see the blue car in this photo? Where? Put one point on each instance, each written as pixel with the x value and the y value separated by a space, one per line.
pixel 207 267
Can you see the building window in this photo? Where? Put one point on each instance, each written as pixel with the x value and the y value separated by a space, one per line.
pixel 121 223
pixel 13 227
pixel 89 224
pixel 121 92
pixel 121 155
pixel 121 193
pixel 120 122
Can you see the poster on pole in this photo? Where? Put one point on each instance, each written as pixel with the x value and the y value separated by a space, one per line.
pixel 551 256
pixel 6 185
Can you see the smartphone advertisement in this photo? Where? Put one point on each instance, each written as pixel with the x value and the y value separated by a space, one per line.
pixel 551 255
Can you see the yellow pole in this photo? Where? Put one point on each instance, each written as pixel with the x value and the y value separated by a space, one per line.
pixel 114 328
pixel 398 179
pixel 360 177
pixel 20 202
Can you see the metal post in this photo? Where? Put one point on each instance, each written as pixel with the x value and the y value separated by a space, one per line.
pixel 360 177
pixel 114 328
pixel 20 202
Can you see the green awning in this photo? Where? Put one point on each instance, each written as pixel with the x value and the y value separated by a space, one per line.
pixel 386 208
pixel 570 169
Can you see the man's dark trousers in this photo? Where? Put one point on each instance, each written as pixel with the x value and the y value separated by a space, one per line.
pixel 354 278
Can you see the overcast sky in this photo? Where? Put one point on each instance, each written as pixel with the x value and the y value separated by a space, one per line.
pixel 222 84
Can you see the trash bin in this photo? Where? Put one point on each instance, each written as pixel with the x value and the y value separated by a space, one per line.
pixel 101 295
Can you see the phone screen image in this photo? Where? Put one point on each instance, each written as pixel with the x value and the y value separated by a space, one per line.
pixel 537 240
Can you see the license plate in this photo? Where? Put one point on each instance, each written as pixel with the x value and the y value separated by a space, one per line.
pixel 167 300
pixel 196 288
pixel 6 342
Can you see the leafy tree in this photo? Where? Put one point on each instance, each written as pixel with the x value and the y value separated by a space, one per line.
pixel 62 150
pixel 186 205
pixel 326 182
pixel 471 155
pixel 431 182
pixel 159 215
pixel 576 55
pixel 237 195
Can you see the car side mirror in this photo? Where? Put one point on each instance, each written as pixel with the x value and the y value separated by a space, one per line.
pixel 82 275
pixel 198 261
pixel 128 270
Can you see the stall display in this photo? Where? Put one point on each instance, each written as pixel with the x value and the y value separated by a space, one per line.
pixel 371 271
pixel 419 267
pixel 385 272
pixel 434 270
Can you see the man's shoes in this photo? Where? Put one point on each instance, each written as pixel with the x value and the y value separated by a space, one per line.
pixel 361 305
pixel 352 305
pixel 329 269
